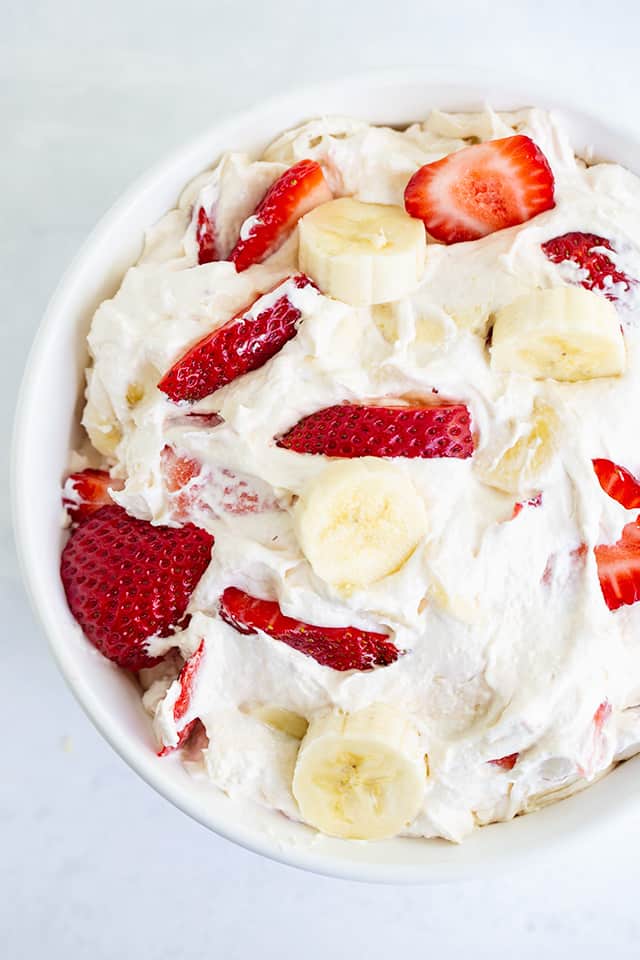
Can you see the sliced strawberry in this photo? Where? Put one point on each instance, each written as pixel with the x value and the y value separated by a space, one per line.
pixel 361 430
pixel 481 189
pixel 183 481
pixel 242 344
pixel 178 471
pixel 581 249
pixel 300 188
pixel 206 238
pixel 85 492
pixel 601 715
pixel 341 648
pixel 226 492
pixel 507 763
pixel 619 568
pixel 127 581
pixel 186 679
pixel 618 483
pixel 521 504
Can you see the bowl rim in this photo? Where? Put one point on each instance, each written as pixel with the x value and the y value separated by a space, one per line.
pixel 469 81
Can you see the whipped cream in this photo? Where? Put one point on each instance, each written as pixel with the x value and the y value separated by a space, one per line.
pixel 509 645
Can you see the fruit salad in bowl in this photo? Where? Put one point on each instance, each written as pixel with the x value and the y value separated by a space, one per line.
pixel 357 505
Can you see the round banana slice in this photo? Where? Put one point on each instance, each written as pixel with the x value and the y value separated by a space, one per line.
pixel 362 253
pixel 566 333
pixel 360 776
pixel 359 521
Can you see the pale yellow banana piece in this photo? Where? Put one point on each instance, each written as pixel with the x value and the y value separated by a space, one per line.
pixel 359 521
pixel 362 253
pixel 362 775
pixel 565 333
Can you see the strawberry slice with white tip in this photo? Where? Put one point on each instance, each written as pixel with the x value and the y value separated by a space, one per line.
pixel 182 705
pixel 297 191
pixel 618 483
pixel 206 238
pixel 619 568
pixel 86 491
pixel 242 344
pixel 481 189
pixel 341 648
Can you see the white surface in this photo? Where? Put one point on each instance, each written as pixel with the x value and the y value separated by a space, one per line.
pixel 90 97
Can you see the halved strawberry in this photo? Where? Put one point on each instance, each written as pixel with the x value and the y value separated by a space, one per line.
pixel 618 483
pixel 481 189
pixel 242 344
pixel 186 679
pixel 582 250
pixel 341 648
pixel 361 430
pixel 619 568
pixel 206 238
pixel 507 763
pixel 85 492
pixel 298 190
pixel 127 581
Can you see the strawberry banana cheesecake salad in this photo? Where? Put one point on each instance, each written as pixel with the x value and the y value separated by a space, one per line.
pixel 360 509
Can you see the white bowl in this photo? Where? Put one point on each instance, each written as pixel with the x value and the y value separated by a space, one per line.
pixel 46 422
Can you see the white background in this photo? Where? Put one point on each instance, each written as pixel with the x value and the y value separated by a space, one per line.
pixel 92 863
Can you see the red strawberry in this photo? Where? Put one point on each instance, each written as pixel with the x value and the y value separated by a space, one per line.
pixel 181 480
pixel 361 430
pixel 228 492
pixel 481 189
pixel 619 568
pixel 300 188
pixel 186 680
pixel 618 483
pixel 580 248
pixel 178 471
pixel 242 344
pixel 85 492
pixel 206 238
pixel 601 715
pixel 507 763
pixel 341 648
pixel 521 504
pixel 127 581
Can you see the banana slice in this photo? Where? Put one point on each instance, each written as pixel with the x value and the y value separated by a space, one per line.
pixel 518 467
pixel 358 521
pixel 105 435
pixel 362 253
pixel 360 776
pixel 286 721
pixel 566 333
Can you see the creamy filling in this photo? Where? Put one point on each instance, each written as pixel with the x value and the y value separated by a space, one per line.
pixel 509 645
